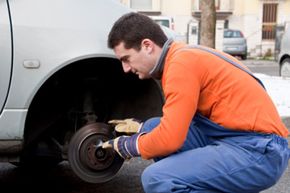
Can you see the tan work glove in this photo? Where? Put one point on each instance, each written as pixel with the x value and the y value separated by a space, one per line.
pixel 128 126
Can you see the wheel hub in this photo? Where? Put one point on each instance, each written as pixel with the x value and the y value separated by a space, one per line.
pixel 94 157
pixel 91 163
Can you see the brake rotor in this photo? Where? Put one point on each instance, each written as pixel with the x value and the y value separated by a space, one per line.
pixel 91 163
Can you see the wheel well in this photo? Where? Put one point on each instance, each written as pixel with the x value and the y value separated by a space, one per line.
pixel 94 89
pixel 283 58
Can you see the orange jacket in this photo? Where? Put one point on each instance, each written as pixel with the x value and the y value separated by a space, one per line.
pixel 196 81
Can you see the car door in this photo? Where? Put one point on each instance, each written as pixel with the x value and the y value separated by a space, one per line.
pixel 5 53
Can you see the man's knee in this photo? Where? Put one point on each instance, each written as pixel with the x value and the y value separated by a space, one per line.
pixel 145 178
pixel 152 182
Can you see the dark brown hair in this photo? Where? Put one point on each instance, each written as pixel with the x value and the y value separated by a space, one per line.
pixel 132 28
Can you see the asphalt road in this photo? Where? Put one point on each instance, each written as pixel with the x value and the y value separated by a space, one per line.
pixel 62 180
pixel 263 66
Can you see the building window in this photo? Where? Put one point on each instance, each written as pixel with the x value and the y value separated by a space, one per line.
pixel 141 4
pixel 226 24
pixel 269 21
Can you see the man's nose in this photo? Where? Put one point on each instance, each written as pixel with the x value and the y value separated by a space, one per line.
pixel 126 67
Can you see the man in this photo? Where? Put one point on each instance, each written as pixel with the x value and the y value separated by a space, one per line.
pixel 220 131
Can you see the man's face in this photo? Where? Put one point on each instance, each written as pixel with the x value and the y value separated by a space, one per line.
pixel 138 62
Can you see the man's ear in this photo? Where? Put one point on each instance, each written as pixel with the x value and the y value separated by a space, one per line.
pixel 147 44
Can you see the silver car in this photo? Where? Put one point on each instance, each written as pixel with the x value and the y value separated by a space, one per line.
pixel 284 55
pixel 60 84
pixel 234 43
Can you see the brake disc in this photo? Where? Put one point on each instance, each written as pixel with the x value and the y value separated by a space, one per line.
pixel 91 163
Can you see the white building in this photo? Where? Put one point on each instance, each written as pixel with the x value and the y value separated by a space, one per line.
pixel 261 21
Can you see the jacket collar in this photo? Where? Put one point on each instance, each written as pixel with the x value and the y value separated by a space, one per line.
pixel 157 71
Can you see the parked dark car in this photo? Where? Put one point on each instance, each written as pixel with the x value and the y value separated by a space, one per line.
pixel 234 43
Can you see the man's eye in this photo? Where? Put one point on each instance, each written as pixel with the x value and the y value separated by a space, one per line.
pixel 125 59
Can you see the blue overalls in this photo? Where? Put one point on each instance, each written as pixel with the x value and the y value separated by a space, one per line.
pixel 217 159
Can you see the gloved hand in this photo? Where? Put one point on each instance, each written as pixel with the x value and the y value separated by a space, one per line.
pixel 125 146
pixel 128 126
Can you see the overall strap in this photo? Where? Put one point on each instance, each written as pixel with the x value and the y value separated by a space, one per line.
pixel 229 61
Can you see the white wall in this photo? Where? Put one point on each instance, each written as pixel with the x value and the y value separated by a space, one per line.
pixel 180 11
pixel 247 16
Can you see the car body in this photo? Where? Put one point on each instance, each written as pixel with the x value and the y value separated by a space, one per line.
pixel 284 54
pixel 60 84
pixel 234 43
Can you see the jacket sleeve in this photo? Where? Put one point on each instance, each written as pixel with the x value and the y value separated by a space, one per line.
pixel 181 89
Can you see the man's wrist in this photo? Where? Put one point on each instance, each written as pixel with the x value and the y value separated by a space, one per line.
pixel 131 145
